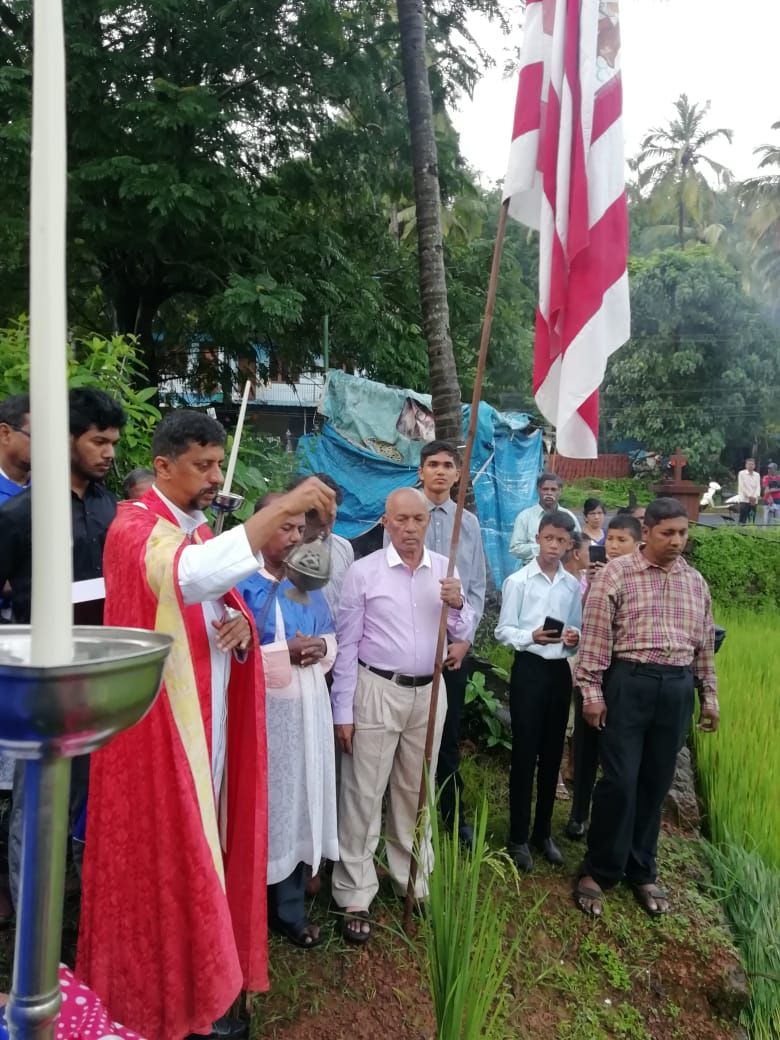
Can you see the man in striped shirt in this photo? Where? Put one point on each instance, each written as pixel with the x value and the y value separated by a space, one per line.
pixel 647 641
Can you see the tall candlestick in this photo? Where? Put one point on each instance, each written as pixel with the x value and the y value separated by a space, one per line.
pixel 236 439
pixel 52 565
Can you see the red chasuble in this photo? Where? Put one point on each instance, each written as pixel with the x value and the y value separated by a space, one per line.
pixel 173 913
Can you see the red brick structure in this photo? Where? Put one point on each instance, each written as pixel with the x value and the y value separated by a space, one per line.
pixel 603 467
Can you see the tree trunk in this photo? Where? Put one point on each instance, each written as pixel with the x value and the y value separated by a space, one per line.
pixel 135 310
pixel 433 286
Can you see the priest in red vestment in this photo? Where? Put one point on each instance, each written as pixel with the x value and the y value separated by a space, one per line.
pixel 173 919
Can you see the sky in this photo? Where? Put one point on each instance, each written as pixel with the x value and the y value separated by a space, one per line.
pixel 717 51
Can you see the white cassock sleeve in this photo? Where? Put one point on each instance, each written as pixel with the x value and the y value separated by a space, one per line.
pixel 207 571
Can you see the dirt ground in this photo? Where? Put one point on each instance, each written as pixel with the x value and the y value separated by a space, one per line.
pixel 625 976
pixel 574 978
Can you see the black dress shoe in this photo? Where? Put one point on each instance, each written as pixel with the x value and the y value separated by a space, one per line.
pixel 575 830
pixel 521 855
pixel 466 836
pixel 224 1029
pixel 550 851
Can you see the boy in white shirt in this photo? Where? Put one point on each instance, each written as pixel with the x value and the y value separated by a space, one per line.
pixel 540 685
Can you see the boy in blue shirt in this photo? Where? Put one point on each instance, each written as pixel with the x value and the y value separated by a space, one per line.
pixel 540 685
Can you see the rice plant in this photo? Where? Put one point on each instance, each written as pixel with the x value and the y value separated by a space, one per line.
pixel 739 772
pixel 750 891
pixel 468 953
pixel 739 767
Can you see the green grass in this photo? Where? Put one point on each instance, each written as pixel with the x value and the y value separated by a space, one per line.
pixel 626 976
pixel 739 773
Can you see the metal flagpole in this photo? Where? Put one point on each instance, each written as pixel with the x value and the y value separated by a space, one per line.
pixel 464 481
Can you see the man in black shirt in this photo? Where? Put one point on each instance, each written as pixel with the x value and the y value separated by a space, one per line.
pixel 95 424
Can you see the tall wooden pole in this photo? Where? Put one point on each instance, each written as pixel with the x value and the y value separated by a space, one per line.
pixel 490 304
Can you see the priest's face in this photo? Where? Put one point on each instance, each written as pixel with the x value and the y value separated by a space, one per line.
pixel 192 479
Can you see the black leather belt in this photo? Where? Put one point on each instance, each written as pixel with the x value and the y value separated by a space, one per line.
pixel 397 677
pixel 658 669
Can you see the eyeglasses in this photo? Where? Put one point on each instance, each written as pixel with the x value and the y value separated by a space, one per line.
pixel 18 429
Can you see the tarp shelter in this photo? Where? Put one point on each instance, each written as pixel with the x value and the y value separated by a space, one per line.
pixel 370 444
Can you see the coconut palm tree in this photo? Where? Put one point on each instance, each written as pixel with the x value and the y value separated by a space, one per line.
pixel 761 197
pixel 670 158
pixel 445 390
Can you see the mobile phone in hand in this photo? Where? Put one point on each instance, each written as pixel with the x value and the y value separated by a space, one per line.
pixel 552 624
pixel 597 554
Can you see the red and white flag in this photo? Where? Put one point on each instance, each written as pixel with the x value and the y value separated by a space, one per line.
pixel 566 179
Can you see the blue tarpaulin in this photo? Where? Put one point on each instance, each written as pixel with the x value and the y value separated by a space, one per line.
pixel 505 461
pixel 366 479
pixel 504 466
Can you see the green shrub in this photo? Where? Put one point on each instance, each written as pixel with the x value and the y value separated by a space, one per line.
pixel 614 493
pixel 742 568
pixel 263 465
pixel 481 714
pixel 112 365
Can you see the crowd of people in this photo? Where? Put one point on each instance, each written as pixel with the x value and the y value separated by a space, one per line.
pixel 291 726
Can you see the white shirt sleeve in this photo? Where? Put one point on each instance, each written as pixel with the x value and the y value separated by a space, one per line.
pixel 208 571
pixel 523 544
pixel 508 630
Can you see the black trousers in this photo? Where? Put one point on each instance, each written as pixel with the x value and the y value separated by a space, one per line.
pixel 448 779
pixel 747 513
pixel 286 899
pixel 539 698
pixel 649 710
pixel 586 763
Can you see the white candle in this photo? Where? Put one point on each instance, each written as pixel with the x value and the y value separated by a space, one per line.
pixel 236 439
pixel 52 565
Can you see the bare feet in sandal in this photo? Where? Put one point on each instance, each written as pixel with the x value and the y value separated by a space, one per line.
pixel 356 925
pixel 303 933
pixel 652 899
pixel 588 896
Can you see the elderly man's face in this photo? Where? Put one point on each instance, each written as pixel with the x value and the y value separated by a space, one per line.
pixel 549 493
pixel 406 521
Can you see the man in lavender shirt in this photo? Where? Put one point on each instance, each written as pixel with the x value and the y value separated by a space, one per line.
pixel 387 630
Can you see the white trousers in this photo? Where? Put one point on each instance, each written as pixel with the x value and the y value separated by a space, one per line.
pixel 388 750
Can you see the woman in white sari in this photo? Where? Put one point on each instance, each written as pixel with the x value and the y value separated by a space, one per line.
pixel 298 647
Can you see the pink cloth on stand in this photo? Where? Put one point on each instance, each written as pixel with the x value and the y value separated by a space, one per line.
pixel 83 1017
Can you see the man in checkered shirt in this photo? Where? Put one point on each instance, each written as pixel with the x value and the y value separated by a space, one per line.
pixel 647 644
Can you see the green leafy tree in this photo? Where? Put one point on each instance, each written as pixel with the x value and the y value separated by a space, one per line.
pixel 232 171
pixel 701 369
